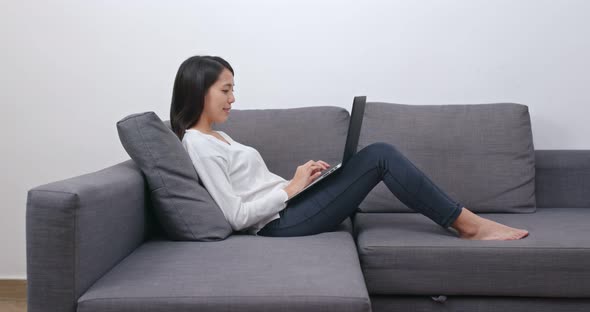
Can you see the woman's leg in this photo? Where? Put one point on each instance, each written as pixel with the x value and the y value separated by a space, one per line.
pixel 337 197
pixel 332 200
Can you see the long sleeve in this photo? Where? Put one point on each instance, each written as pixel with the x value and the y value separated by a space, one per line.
pixel 213 169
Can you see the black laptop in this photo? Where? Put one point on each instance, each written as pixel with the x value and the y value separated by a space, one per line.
pixel 352 140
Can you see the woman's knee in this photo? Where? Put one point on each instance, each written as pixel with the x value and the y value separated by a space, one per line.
pixel 382 148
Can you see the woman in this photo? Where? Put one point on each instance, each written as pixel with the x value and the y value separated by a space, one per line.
pixel 252 198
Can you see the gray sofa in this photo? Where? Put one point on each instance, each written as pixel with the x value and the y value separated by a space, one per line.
pixel 93 243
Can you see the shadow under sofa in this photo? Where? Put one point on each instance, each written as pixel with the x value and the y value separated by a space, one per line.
pixel 93 244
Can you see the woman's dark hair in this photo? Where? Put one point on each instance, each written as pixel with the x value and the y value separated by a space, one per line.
pixel 194 78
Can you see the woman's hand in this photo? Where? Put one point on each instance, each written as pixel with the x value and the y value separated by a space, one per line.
pixel 304 175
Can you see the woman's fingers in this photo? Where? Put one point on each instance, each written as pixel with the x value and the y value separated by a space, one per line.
pixel 315 168
pixel 322 164
pixel 313 165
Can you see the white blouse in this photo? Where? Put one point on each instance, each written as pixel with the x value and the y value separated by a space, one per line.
pixel 237 178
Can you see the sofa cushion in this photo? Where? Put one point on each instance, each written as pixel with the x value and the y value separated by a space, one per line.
pixel 289 137
pixel 182 205
pixel 407 253
pixel 242 273
pixel 480 155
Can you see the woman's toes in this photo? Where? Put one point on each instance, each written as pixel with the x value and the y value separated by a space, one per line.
pixel 520 234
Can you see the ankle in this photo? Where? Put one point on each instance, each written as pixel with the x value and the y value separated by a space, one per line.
pixel 467 223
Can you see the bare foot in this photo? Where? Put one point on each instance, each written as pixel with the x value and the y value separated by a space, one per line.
pixel 472 226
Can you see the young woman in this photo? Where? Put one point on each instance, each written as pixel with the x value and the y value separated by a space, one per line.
pixel 252 198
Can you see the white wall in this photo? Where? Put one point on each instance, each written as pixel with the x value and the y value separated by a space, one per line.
pixel 70 69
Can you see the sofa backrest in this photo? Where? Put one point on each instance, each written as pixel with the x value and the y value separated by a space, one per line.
pixel 287 138
pixel 481 155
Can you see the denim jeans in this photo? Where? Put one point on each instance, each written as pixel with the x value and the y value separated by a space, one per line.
pixel 329 202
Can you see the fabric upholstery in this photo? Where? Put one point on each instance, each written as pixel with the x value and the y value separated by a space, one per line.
pixel 562 178
pixel 77 229
pixel 92 228
pixel 242 273
pixel 408 254
pixel 481 155
pixel 182 205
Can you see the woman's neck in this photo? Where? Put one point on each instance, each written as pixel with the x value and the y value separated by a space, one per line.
pixel 207 130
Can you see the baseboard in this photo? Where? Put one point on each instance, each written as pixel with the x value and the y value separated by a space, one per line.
pixel 13 289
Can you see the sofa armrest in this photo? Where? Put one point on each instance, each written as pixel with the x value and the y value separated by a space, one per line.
pixel 79 228
pixel 562 178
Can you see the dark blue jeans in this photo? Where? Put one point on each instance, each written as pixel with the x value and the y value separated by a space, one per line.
pixel 328 203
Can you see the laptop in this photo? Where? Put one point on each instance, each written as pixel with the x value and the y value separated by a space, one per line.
pixel 352 140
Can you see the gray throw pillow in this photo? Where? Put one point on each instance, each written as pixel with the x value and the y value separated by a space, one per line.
pixel 481 155
pixel 184 208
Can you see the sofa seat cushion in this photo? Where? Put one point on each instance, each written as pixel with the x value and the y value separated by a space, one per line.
pixel 242 273
pixel 406 253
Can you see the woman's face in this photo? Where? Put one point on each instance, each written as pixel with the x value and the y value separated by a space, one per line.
pixel 219 98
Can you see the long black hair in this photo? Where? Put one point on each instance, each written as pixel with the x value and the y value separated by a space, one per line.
pixel 194 78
